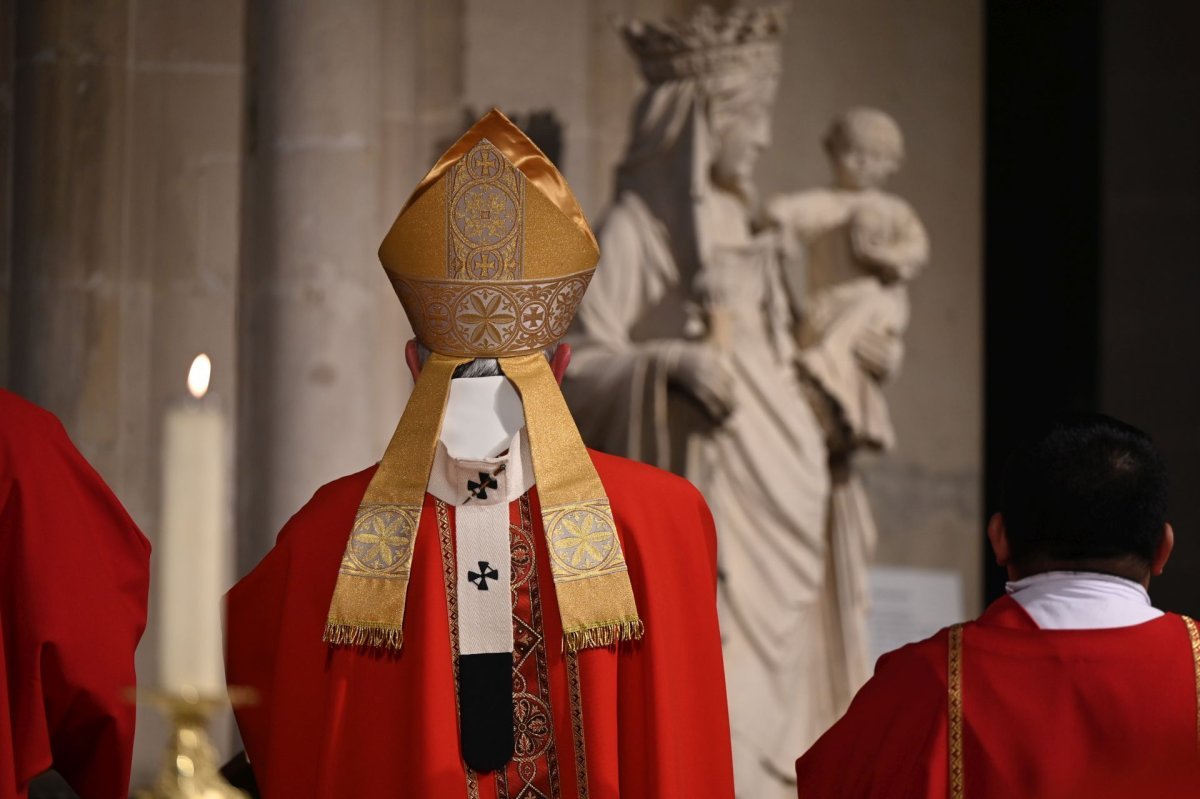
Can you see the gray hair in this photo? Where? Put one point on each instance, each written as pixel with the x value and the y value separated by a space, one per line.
pixel 480 367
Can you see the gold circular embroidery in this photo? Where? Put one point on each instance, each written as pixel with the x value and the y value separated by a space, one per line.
pixel 437 316
pixel 485 215
pixel 483 162
pixel 533 316
pixel 582 539
pixel 484 264
pixel 485 318
pixel 562 307
pixel 381 542
pixel 491 320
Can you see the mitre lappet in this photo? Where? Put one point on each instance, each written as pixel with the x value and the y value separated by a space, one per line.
pixel 490 257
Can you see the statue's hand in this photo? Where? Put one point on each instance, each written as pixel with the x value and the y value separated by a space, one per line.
pixel 879 353
pixel 700 370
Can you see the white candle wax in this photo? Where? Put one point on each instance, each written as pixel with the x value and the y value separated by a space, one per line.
pixel 194 562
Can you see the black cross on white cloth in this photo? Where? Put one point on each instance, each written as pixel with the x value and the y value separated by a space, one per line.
pixel 484 574
pixel 482 543
pixel 478 490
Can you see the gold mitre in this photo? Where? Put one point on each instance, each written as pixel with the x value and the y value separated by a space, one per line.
pixel 491 254
pixel 490 257
pixel 708 43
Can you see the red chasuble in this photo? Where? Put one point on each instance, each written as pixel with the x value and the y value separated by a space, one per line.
pixel 74 579
pixel 1039 713
pixel 640 720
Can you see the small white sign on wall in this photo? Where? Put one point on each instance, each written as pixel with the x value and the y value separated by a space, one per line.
pixel 909 604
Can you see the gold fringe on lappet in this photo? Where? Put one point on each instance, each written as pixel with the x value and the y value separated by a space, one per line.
pixel 604 635
pixel 358 635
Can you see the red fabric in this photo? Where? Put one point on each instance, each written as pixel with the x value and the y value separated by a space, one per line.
pixel 74 579
pixel 1047 713
pixel 341 722
pixel 536 749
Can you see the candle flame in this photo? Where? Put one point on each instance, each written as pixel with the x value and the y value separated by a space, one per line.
pixel 199 375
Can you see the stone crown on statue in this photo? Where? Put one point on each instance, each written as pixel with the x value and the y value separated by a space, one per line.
pixel 708 43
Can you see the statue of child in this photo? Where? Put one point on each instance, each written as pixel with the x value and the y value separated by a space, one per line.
pixel 861 246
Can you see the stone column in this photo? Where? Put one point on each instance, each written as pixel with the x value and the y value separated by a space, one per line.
pixel 311 278
pixel 69 151
pixel 127 151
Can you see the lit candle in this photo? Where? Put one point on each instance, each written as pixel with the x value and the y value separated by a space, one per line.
pixel 194 553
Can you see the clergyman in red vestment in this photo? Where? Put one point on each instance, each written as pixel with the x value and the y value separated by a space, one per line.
pixel 74 582
pixel 1071 685
pixel 530 620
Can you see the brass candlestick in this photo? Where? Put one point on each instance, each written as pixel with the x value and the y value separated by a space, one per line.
pixel 190 769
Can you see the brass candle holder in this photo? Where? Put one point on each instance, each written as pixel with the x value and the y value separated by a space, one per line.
pixel 190 767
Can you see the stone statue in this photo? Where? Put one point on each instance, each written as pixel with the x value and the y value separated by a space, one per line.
pixel 685 356
pixel 860 247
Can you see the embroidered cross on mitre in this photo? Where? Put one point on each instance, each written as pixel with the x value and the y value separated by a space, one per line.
pixel 484 574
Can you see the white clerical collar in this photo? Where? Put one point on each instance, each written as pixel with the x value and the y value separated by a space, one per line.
pixel 1063 600
pixel 482 481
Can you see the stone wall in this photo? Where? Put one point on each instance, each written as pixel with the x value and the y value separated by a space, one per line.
pixel 309 287
pixel 922 63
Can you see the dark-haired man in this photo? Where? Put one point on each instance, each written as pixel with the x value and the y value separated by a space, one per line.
pixel 1071 685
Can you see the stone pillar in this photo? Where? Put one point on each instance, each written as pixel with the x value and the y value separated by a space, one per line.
pixel 69 153
pixel 127 151
pixel 311 279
